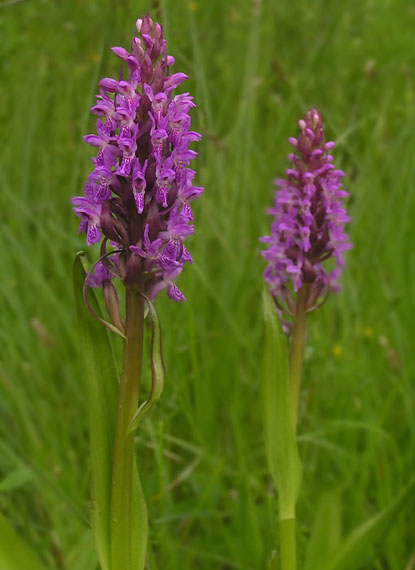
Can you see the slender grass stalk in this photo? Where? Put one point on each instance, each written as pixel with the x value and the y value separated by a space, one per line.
pixel 122 478
pixel 297 347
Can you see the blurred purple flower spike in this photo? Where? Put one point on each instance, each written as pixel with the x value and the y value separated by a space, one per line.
pixel 308 220
pixel 137 196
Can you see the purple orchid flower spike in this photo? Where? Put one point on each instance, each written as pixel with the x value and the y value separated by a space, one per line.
pixel 308 222
pixel 141 184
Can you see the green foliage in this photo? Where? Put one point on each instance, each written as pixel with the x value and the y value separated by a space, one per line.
pixel 254 68
pixel 101 388
pixel 354 551
pixel 15 554
pixel 326 533
pixel 326 550
pixel 280 436
pixel 15 479
pixel 157 367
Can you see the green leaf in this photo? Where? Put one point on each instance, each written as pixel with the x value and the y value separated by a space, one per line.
pixel 81 555
pixel 326 533
pixel 15 479
pixel 139 525
pixel 15 554
pixel 280 440
pixel 157 367
pixel 101 383
pixel 355 549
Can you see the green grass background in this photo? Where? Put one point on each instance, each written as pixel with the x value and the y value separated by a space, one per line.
pixel 255 67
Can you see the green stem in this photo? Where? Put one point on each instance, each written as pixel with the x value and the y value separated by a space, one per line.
pixel 297 347
pixel 287 538
pixel 123 459
pixel 287 526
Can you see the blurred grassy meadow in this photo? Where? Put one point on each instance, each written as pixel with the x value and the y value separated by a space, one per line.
pixel 254 68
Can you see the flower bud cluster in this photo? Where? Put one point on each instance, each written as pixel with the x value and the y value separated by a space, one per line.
pixel 137 198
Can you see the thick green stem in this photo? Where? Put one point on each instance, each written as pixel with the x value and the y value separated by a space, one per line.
pixel 123 460
pixel 287 539
pixel 297 347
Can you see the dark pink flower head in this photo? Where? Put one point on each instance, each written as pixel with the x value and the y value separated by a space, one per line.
pixel 137 196
pixel 308 218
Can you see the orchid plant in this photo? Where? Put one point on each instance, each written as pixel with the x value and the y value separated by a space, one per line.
pixel 136 203
pixel 305 259
pixel 307 229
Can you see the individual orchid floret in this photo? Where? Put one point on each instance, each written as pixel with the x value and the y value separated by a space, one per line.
pixel 90 213
pixel 137 196
pixel 99 276
pixel 308 220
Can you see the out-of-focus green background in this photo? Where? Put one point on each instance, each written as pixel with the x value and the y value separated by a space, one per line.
pixel 254 68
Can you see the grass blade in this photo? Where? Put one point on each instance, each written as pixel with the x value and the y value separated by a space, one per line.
pixel 15 554
pixel 353 552
pixel 102 390
pixel 15 479
pixel 326 533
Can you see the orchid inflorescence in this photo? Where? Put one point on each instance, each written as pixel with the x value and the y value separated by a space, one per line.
pixel 309 220
pixel 137 196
